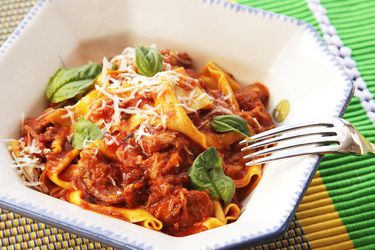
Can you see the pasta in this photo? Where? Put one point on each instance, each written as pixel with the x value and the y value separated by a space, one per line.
pixel 146 139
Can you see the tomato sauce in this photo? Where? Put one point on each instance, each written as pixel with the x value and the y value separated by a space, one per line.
pixel 150 172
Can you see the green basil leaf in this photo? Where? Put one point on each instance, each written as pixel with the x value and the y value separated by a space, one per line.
pixel 71 90
pixel 149 60
pixel 79 80
pixel 228 123
pixel 85 130
pixel 207 173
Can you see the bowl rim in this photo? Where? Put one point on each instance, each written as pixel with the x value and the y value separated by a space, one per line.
pixel 33 212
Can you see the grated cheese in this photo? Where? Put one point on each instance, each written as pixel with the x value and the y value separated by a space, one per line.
pixel 27 163
pixel 163 119
pixel 32 148
pixel 141 131
pixel 219 109
pixel 86 143
pixel 128 147
pixel 47 150
pixel 69 138
pixel 112 180
pixel 107 127
pixel 106 66
pixel 186 107
pixel 256 122
pixel 115 83
pixel 126 60
pixel 110 139
pixel 229 96
pixel 138 103
pixel 69 113
pixel 103 105
pixel 32 183
pixel 120 88
pixel 203 123
pixel 103 91
pixel 117 113
pixel 132 84
pixel 141 85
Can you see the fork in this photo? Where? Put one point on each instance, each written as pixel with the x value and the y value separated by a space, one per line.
pixel 333 135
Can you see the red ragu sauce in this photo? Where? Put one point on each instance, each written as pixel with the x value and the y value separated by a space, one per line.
pixel 143 166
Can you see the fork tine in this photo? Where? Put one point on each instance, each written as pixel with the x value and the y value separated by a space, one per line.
pixel 291 135
pixel 293 144
pixel 282 129
pixel 295 152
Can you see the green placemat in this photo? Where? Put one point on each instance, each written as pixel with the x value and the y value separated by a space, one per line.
pixel 337 211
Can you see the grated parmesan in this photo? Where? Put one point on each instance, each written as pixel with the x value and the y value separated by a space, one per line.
pixel 69 114
pixel 106 66
pixel 141 131
pixel 117 113
pixel 112 180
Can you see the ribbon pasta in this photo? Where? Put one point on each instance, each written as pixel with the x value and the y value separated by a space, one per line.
pixel 230 213
pixel 178 120
pixel 224 82
pixel 138 216
pixel 151 129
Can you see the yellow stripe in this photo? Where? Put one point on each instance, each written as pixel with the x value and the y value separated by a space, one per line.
pixel 320 221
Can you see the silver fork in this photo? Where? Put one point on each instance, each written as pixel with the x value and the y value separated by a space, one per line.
pixel 327 136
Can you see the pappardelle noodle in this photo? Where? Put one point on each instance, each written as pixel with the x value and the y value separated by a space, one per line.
pixel 145 138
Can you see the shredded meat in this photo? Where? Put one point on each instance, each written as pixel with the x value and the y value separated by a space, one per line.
pixel 253 101
pixel 110 182
pixel 249 95
pixel 199 205
pixel 37 125
pixel 158 142
pixel 178 207
pixel 150 170
pixel 258 119
pixel 129 153
pixel 176 59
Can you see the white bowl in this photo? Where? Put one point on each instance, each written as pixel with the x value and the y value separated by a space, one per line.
pixel 254 45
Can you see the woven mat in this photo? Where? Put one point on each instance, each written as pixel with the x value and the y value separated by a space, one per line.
pixel 338 210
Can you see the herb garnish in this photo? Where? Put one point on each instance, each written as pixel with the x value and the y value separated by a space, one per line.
pixel 207 173
pixel 228 123
pixel 85 131
pixel 67 83
pixel 149 60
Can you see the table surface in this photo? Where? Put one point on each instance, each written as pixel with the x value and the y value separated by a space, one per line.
pixel 338 209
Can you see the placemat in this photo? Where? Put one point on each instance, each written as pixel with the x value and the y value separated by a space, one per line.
pixel 338 209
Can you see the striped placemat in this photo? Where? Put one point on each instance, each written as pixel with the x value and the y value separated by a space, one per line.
pixel 338 210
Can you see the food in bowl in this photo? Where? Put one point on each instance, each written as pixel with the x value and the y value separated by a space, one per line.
pixel 147 139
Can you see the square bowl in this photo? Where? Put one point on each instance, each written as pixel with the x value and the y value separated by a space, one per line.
pixel 253 45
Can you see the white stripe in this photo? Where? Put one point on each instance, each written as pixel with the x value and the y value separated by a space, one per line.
pixel 344 56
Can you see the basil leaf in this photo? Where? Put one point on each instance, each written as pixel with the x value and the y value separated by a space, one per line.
pixel 78 80
pixel 85 130
pixel 207 173
pixel 149 61
pixel 71 90
pixel 228 123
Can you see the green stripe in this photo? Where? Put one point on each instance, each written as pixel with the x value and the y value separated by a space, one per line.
pixel 355 23
pixel 294 8
pixel 350 180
